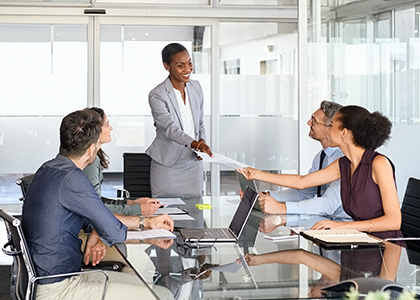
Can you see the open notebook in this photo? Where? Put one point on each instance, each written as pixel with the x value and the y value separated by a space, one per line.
pixel 341 238
pixel 231 234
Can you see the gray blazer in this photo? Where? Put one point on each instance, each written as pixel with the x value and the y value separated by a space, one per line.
pixel 170 138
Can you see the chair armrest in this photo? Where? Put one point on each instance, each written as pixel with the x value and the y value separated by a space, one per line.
pixel 9 252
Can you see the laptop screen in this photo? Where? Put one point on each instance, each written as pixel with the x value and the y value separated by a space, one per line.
pixel 245 182
pixel 242 212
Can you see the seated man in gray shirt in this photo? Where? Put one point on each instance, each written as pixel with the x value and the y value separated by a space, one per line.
pixel 324 200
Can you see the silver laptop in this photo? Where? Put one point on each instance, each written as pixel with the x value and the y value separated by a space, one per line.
pixel 243 182
pixel 231 234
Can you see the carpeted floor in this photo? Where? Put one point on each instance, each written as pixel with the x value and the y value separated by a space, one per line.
pixel 5 282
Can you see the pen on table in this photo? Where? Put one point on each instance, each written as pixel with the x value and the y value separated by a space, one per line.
pixel 183 209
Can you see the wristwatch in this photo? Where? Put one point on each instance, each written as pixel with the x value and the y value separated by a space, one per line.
pixel 141 222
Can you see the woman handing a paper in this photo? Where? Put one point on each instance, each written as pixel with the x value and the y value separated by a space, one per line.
pixel 178 111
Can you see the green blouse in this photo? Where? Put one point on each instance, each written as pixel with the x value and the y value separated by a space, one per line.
pixel 94 173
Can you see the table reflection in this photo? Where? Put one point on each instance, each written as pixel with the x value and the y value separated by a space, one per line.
pixel 297 268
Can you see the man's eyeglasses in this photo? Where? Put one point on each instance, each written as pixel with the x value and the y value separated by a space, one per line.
pixel 313 120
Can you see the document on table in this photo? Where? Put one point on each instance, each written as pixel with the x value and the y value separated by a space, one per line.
pixel 182 217
pixel 233 201
pixel 149 234
pixel 170 211
pixel 171 201
pixel 222 160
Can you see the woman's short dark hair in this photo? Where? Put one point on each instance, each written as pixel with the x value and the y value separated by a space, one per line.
pixel 170 50
pixel 103 157
pixel 370 130
pixel 79 130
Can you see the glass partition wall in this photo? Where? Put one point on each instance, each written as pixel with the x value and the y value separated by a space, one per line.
pixel 43 76
pixel 365 54
pixel 244 59
pixel 59 58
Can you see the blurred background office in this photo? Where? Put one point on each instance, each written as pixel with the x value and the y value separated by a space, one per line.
pixel 264 65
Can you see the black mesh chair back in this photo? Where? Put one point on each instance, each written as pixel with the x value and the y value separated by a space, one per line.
pixel 20 272
pixel 24 183
pixel 136 177
pixel 24 279
pixel 410 226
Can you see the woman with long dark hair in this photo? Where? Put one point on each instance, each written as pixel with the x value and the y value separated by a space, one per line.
pixel 144 206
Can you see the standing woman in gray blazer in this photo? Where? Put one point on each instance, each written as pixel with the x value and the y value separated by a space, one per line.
pixel 178 111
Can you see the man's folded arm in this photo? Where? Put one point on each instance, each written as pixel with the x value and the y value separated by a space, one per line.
pixel 325 205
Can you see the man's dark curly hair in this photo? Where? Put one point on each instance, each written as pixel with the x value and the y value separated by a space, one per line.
pixel 370 130
pixel 79 130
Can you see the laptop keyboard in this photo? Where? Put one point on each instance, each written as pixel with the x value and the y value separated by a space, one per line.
pixel 218 233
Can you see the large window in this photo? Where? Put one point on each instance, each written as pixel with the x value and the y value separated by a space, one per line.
pixel 258 95
pixel 43 76
pixel 372 60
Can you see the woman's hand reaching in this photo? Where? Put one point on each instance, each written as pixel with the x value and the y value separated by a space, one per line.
pixel 249 172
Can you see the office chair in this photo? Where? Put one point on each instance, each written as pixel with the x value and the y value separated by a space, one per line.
pixel 410 210
pixel 136 177
pixel 24 183
pixel 24 281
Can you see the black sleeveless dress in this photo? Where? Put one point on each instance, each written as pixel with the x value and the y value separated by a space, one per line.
pixel 362 199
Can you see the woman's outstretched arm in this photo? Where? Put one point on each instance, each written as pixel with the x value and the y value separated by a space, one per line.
pixel 326 175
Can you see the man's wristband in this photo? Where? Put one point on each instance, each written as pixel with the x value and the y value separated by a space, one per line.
pixel 141 222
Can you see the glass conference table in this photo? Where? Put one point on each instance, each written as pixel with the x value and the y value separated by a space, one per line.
pixel 297 269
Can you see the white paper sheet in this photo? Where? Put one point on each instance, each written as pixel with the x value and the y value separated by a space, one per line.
pixel 171 201
pixel 170 211
pixel 222 160
pixel 183 217
pixel 234 201
pixel 149 234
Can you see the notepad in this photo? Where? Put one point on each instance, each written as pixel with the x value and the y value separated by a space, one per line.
pixel 341 237
pixel 149 234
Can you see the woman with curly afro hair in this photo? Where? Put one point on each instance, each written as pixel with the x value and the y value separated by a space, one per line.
pixel 368 189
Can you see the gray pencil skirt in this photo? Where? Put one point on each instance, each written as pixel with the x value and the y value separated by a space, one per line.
pixel 184 179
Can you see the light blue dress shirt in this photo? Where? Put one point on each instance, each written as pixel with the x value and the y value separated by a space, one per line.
pixel 306 202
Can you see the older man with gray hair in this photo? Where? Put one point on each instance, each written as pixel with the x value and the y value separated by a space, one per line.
pixel 323 200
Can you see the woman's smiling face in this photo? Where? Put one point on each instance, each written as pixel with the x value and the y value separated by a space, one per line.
pixel 180 67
